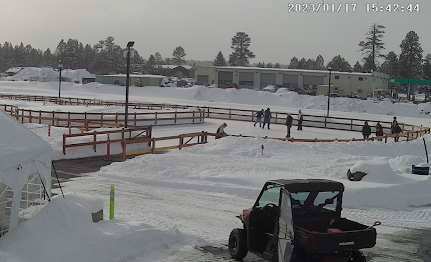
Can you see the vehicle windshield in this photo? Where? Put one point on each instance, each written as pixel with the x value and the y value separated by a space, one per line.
pixel 315 202
pixel 270 196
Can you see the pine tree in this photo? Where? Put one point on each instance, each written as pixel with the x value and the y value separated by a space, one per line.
pixel 391 65
pixel 260 65
pixel 150 65
pixel 411 57
pixel 158 59
pixel 310 64
pixel 368 64
pixel 427 67
pixel 241 54
pixel 319 63
pixel 178 56
pixel 302 63
pixel 339 64
pixel 294 63
pixel 372 45
pixel 277 65
pixel 269 65
pixel 357 67
pixel 220 60
pixel 168 61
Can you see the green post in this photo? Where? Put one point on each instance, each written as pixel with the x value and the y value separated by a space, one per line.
pixel 111 203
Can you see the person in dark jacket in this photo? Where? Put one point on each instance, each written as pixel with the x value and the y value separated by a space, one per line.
pixel 366 130
pixel 259 118
pixel 300 119
pixel 266 118
pixel 220 131
pixel 379 130
pixel 395 128
pixel 289 121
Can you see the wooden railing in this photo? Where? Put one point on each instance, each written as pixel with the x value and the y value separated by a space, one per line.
pixel 95 138
pixel 94 120
pixel 410 132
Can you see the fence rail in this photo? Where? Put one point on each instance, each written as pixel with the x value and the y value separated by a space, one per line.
pixel 90 120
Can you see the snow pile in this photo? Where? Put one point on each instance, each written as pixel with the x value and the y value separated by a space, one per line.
pixel 199 95
pixel 64 231
pixel 379 171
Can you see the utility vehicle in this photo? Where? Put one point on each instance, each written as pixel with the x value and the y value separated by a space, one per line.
pixel 300 220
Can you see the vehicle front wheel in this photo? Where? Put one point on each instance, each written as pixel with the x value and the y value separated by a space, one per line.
pixel 238 243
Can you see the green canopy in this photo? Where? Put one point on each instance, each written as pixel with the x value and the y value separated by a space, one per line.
pixel 411 81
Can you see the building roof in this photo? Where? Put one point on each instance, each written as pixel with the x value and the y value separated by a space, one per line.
pixel 14 69
pixel 148 76
pixel 291 70
pixel 188 67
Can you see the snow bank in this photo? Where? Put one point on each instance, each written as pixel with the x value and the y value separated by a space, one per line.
pixel 93 204
pixel 379 171
pixel 64 231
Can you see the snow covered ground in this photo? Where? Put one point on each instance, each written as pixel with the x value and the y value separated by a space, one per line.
pixel 166 204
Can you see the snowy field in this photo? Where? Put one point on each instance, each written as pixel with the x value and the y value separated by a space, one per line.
pixel 168 204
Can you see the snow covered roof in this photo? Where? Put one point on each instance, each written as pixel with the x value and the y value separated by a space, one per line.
pixel 14 69
pixel 188 67
pixel 151 76
pixel 286 70
pixel 17 143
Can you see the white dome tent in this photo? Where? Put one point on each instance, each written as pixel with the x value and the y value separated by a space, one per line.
pixel 25 162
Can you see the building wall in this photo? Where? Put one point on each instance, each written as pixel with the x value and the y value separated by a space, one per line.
pixel 344 82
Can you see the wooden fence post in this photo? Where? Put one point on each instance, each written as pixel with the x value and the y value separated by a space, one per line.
pixel 193 120
pixel 29 116
pixel 123 146
pixel 181 142
pixel 53 116
pixel 40 116
pixel 351 124
pixel 64 144
pixel 230 111
pixel 134 116
pixel 155 121
pixel 94 140
pixel 175 118
pixel 153 148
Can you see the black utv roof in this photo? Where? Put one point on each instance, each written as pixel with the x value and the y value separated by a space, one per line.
pixel 301 185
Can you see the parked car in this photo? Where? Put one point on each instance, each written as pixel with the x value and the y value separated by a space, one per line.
pixel 227 85
pixel 300 220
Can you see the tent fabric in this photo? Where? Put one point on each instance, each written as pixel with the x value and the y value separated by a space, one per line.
pixel 22 154
pixel 17 143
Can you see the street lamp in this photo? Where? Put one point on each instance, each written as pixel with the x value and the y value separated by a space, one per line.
pixel 60 67
pixel 127 55
pixel 329 90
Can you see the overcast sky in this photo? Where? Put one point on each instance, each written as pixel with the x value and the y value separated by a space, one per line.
pixel 204 27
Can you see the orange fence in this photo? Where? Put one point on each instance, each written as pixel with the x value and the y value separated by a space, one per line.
pixel 91 138
pixel 94 120
pixel 410 132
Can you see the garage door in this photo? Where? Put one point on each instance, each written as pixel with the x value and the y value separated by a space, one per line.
pixel 313 80
pixel 266 79
pixel 225 77
pixel 246 80
pixel 202 80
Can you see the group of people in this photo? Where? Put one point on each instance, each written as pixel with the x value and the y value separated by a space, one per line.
pixel 266 114
pixel 395 129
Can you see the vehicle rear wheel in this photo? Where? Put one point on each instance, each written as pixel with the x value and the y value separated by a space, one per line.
pixel 238 243
pixel 357 256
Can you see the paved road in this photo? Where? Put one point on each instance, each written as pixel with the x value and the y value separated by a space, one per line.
pixel 72 168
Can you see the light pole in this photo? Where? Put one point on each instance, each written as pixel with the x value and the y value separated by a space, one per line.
pixel 126 113
pixel 60 67
pixel 329 90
